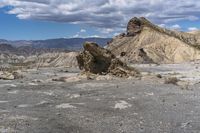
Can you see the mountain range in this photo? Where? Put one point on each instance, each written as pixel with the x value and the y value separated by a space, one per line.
pixel 51 52
pixel 72 44
pixel 143 42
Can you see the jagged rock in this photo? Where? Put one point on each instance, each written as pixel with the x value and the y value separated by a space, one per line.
pixel 134 26
pixel 149 43
pixel 6 76
pixel 97 60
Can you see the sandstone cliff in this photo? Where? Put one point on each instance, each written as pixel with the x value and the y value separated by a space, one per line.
pixel 145 42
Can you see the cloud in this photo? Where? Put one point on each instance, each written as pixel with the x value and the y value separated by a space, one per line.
pixel 104 14
pixel 162 25
pixel 76 35
pixel 82 30
pixel 175 27
pixel 193 29
pixel 106 30
pixel 95 36
pixel 81 33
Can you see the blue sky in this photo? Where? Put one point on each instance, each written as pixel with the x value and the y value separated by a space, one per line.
pixel 44 19
pixel 13 28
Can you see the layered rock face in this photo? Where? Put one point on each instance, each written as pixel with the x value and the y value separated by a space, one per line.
pixel 53 60
pixel 97 60
pixel 145 42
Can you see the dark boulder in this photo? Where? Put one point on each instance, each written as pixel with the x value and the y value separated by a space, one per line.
pixel 134 26
pixel 97 60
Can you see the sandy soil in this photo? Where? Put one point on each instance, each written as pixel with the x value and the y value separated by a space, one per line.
pixel 38 104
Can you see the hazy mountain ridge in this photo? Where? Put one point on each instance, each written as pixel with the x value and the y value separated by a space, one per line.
pixel 43 53
pixel 26 50
pixel 61 43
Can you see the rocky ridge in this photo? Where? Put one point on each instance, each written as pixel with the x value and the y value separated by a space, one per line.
pixel 145 42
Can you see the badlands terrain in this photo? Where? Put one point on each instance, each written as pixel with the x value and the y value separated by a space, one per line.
pixel 36 103
pixel 144 81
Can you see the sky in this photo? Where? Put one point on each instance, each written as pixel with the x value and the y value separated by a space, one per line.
pixel 45 19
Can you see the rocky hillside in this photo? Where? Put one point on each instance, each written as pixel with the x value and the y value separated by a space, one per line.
pixel 59 59
pixel 26 56
pixel 145 42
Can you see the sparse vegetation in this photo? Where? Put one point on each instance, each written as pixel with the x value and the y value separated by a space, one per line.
pixel 159 76
pixel 171 80
pixel 196 46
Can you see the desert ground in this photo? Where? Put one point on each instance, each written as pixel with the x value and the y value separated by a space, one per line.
pixel 39 104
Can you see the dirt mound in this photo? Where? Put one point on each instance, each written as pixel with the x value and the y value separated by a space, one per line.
pixel 97 60
pixel 145 42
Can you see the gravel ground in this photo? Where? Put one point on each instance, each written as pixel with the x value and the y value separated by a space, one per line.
pixel 189 71
pixel 38 105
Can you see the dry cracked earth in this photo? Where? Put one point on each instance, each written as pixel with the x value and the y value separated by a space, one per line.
pixel 36 104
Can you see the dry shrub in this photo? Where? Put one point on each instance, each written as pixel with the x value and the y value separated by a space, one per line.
pixel 159 76
pixel 171 80
pixel 18 75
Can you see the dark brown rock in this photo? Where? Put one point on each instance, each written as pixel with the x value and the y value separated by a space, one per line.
pixel 97 60
pixel 134 26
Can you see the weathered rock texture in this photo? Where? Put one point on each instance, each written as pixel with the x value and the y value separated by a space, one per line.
pixel 53 60
pixel 97 60
pixel 5 75
pixel 145 42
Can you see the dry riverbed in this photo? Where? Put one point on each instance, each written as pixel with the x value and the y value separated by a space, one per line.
pixel 39 104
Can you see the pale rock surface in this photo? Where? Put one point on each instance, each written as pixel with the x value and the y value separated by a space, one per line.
pixel 148 43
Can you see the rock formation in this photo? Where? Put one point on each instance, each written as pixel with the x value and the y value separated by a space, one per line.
pixel 97 60
pixel 5 75
pixel 59 59
pixel 145 42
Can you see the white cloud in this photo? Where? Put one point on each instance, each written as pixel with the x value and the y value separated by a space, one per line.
pixel 82 30
pixel 81 33
pixel 162 25
pixel 95 36
pixel 193 29
pixel 104 14
pixel 106 30
pixel 76 35
pixel 116 34
pixel 175 27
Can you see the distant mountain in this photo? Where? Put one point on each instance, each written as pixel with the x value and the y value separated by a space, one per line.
pixel 51 52
pixel 26 50
pixel 63 43
pixel 26 56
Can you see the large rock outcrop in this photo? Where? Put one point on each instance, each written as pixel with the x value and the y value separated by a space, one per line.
pixel 145 42
pixel 97 60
